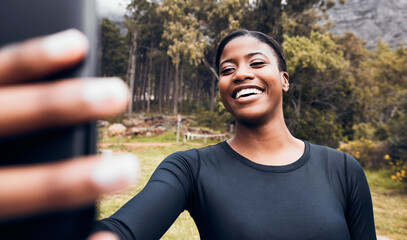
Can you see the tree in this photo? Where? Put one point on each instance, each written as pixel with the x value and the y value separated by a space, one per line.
pixel 113 50
pixel 137 8
pixel 219 18
pixel 183 36
pixel 318 88
pixel 292 17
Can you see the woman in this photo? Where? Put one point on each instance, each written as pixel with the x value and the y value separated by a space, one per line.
pixel 261 184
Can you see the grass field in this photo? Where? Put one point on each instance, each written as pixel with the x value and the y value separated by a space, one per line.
pixel 389 197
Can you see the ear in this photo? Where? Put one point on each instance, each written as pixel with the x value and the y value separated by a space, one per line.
pixel 284 81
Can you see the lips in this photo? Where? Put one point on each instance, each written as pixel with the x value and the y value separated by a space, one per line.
pixel 246 91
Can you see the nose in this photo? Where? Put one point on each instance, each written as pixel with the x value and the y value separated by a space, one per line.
pixel 243 73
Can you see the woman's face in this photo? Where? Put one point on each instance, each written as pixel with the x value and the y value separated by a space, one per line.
pixel 250 82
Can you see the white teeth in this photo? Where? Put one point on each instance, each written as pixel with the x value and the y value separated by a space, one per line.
pixel 247 91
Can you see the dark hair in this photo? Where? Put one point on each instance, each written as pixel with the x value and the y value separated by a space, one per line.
pixel 259 36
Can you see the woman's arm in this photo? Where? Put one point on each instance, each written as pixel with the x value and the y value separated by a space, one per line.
pixel 151 212
pixel 359 213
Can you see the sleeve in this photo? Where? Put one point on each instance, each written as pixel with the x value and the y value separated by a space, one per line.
pixel 150 213
pixel 359 211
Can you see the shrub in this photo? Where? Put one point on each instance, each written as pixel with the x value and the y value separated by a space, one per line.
pixel 370 154
pixel 399 167
pixel 212 120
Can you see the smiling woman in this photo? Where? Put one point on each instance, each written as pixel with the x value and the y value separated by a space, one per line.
pixel 250 80
pixel 261 184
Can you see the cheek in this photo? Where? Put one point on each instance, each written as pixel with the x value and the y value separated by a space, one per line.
pixel 223 87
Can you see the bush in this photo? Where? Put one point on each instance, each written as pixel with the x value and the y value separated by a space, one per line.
pixel 212 120
pixel 399 168
pixel 370 154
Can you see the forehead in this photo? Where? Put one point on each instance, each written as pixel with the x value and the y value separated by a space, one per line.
pixel 244 45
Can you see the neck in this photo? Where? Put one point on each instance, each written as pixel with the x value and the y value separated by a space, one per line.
pixel 270 143
pixel 275 134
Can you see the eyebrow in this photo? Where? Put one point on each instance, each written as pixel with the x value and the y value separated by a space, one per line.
pixel 246 56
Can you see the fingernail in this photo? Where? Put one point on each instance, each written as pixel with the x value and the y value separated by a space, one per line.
pixel 64 42
pixel 116 168
pixel 98 91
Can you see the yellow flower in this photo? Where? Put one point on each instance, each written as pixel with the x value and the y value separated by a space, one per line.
pixel 386 157
pixel 393 177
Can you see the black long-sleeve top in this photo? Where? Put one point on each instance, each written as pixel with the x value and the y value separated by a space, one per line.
pixel 322 195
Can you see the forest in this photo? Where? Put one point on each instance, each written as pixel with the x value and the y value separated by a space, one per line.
pixel 341 94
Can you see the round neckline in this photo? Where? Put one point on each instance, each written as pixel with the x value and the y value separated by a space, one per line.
pixel 269 168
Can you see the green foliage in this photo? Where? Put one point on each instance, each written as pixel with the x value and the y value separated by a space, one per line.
pixel 181 31
pixel 380 77
pixel 294 17
pixel 370 154
pixel 397 142
pixel 114 50
pixel 319 127
pixel 317 106
pixel 339 91
pixel 319 53
pixel 218 119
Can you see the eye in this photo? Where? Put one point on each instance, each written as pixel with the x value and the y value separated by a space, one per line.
pixel 227 70
pixel 257 63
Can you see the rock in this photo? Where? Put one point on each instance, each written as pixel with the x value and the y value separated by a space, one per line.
pixel 132 122
pixel 371 19
pixel 102 123
pixel 116 129
pixel 159 130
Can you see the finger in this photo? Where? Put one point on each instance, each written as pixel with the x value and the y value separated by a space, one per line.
pixel 29 107
pixel 70 184
pixel 42 56
pixel 103 236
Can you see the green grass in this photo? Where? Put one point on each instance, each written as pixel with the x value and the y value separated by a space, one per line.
pixel 389 197
pixel 389 204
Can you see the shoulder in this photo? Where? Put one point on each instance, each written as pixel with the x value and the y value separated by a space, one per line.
pixel 336 158
pixel 327 155
pixel 186 160
pixel 190 160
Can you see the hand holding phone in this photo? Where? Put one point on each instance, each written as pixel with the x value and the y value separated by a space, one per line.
pixel 42 197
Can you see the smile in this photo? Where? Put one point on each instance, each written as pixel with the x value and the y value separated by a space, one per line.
pixel 247 92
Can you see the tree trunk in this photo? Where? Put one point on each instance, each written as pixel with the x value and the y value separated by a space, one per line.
pixel 195 87
pixel 139 87
pixel 213 89
pixel 168 85
pixel 176 90
pixel 148 94
pixel 131 71
pixel 144 88
pixel 182 89
pixel 160 88
pixel 212 95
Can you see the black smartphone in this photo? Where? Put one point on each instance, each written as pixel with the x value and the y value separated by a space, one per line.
pixel 20 20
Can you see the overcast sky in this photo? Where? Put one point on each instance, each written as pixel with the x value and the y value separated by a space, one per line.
pixel 112 8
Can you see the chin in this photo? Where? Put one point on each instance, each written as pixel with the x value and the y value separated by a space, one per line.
pixel 252 119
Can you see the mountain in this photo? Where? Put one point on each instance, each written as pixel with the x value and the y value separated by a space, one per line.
pixel 372 19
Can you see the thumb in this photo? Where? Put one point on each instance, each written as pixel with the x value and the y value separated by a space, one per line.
pixel 103 236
